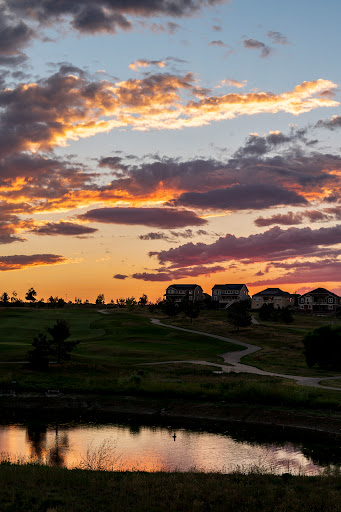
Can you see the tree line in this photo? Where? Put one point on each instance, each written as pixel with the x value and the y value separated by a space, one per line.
pixel 58 302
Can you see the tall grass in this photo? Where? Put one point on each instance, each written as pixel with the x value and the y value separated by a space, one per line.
pixel 42 489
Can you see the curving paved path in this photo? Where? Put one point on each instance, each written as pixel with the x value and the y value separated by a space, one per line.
pixel 233 360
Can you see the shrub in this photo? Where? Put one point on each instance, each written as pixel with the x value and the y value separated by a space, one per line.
pixel 322 347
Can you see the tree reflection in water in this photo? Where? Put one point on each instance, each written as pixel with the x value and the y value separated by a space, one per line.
pixel 49 449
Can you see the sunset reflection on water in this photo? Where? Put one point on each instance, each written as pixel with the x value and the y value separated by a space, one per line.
pixel 132 448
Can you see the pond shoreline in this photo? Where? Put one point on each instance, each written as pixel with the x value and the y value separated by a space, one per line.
pixel 198 413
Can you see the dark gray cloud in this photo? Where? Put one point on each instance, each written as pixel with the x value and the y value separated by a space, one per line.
pixel 105 15
pixel 331 124
pixel 254 44
pixel 156 217
pixel 291 218
pixel 256 145
pixel 9 225
pixel 120 276
pixel 274 244
pixel 14 36
pixel 62 228
pixel 173 275
pixel 255 196
pixel 173 235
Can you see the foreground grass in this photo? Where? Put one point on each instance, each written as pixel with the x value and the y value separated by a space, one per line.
pixel 43 489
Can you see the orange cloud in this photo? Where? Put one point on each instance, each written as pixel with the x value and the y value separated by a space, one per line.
pixel 19 261
pixel 143 63
pixel 67 106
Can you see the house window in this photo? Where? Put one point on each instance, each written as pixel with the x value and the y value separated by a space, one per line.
pixel 330 307
pixel 330 300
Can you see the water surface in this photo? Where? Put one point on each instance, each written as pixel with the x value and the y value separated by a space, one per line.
pixel 152 448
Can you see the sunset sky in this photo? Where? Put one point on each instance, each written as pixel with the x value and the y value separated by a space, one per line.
pixel 145 142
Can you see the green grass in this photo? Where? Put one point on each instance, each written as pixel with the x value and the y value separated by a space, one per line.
pixel 129 337
pixel 43 489
pixel 282 347
pixel 114 349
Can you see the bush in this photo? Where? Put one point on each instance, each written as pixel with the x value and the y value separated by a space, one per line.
pixel 322 347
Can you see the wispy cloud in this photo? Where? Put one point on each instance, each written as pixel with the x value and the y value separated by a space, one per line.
pixel 277 37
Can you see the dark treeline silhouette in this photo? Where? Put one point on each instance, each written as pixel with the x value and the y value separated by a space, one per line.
pixel 7 300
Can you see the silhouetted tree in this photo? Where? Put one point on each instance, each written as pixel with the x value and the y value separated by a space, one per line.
pixel 31 295
pixel 100 299
pixel 14 297
pixel 170 308
pixel 4 299
pixel 143 300
pixel 191 309
pixel 266 311
pixel 60 331
pixel 322 347
pixel 286 316
pixel 39 356
pixel 121 302
pixel 130 303
pixel 238 314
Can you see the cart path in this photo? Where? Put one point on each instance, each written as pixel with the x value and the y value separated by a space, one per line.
pixel 233 364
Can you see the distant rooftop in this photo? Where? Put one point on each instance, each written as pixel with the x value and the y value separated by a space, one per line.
pixel 320 291
pixel 183 286
pixel 273 291
pixel 228 286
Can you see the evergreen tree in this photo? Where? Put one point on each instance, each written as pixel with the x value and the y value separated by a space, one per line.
pixel 238 315
pixel 39 356
pixel 60 331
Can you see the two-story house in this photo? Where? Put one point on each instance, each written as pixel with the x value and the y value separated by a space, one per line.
pixel 227 294
pixel 178 292
pixel 275 296
pixel 319 300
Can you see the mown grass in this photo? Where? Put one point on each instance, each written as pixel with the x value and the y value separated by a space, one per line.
pixel 282 346
pixel 43 489
pixel 129 338
pixel 114 349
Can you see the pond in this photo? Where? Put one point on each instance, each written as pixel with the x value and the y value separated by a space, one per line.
pixel 136 446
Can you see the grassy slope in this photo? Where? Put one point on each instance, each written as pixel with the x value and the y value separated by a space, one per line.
pixel 45 489
pixel 129 337
pixel 282 347
pixel 114 347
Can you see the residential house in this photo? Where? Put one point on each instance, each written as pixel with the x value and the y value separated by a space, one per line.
pixel 275 296
pixel 319 300
pixel 227 294
pixel 178 292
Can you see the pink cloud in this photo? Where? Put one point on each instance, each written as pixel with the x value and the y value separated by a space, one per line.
pixel 274 244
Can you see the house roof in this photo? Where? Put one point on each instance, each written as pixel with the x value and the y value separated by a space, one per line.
pixel 320 291
pixel 183 286
pixel 273 291
pixel 228 286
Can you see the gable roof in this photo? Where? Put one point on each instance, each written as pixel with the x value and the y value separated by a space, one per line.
pixel 228 286
pixel 320 291
pixel 183 286
pixel 273 291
